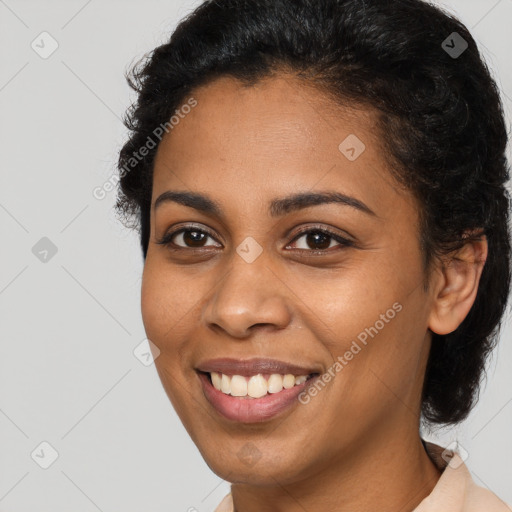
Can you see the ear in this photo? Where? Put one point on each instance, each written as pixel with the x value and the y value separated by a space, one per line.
pixel 456 285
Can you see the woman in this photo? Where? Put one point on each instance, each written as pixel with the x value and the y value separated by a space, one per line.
pixel 320 192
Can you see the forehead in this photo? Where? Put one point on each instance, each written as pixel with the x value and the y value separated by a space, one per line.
pixel 277 136
pixel 276 112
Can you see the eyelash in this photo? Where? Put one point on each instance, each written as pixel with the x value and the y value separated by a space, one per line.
pixel 343 242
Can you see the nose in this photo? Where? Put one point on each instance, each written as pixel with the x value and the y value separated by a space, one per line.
pixel 249 297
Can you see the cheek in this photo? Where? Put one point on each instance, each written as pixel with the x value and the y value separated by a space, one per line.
pixel 161 318
pixel 165 306
pixel 153 304
pixel 381 360
pixel 166 300
pixel 347 303
pixel 375 328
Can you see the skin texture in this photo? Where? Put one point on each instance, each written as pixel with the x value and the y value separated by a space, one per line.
pixel 355 446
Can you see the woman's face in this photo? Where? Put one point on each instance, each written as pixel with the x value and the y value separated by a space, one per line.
pixel 246 282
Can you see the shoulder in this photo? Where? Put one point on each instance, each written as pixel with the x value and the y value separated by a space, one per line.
pixel 456 490
pixel 226 505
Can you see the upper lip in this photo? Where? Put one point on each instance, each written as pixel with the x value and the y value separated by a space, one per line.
pixel 248 367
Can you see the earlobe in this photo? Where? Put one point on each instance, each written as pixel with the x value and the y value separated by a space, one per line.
pixel 457 285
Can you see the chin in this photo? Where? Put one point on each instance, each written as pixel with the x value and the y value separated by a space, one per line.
pixel 238 467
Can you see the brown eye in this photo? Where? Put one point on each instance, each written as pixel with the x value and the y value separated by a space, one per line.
pixel 319 240
pixel 193 238
pixel 190 238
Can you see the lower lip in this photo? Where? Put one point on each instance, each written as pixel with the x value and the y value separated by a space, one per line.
pixel 251 410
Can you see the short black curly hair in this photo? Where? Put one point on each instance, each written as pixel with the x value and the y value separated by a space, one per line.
pixel 440 117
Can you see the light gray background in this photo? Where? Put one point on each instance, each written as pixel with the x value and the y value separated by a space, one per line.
pixel 68 375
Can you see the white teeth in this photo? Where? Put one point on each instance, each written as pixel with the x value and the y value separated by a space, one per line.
pixel 216 380
pixel 288 381
pixel 225 384
pixel 238 386
pixel 275 383
pixel 255 386
pixel 301 379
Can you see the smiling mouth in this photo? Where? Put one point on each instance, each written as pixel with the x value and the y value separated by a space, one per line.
pixel 255 386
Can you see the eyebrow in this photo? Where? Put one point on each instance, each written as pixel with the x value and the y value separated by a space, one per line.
pixel 278 207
